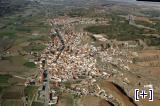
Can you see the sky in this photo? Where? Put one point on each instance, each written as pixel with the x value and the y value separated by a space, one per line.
pixel 141 3
pixel 126 0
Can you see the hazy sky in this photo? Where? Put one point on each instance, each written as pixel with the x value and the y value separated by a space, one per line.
pixel 157 4
pixel 126 0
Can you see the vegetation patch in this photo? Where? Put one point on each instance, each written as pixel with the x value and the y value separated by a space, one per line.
pixel 30 91
pixel 35 47
pixel 37 104
pixel 30 64
pixel 4 78
pixel 153 41
pixel 78 12
pixel 4 82
pixel 155 24
pixel 38 38
pixel 1 89
pixel 6 58
pixel 67 84
pixel 122 31
pixel 23 29
pixel 12 103
pixel 8 33
pixel 118 28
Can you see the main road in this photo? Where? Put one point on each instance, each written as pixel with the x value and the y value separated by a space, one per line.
pixel 46 82
pixel 47 88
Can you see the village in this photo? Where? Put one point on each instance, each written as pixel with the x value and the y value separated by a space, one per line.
pixel 83 64
pixel 67 59
pixel 79 53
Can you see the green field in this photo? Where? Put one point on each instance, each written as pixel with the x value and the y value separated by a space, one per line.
pixel 4 79
pixel 30 91
pixel 20 28
pixel 7 33
pixel 30 65
pixel 1 89
pixel 120 29
pixel 12 103
pixel 8 81
pixel 4 82
pixel 116 30
pixel 155 24
pixel 19 35
pixel 34 47
pixel 37 104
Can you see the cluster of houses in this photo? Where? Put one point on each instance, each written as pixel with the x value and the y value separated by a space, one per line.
pixel 68 59
pixel 76 61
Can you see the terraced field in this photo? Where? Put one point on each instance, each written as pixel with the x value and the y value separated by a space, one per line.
pixel 12 103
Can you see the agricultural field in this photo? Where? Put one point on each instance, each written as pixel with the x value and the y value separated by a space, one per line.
pixel 117 28
pixel 120 29
pixel 4 82
pixel 111 48
pixel 37 104
pixel 7 80
pixel 19 36
pixel 12 94
pixel 16 65
pixel 93 101
pixel 12 103
pixel 30 91
pixel 4 79
pixel 66 100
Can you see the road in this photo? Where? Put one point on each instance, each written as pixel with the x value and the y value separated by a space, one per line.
pixel 46 78
pixel 62 42
pixel 47 89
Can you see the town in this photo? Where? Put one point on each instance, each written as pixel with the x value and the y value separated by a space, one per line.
pixel 79 53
